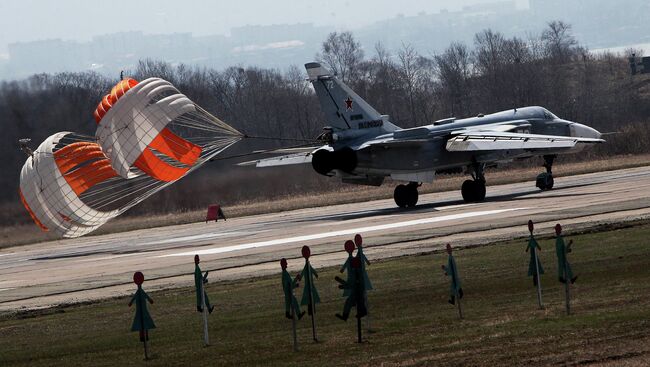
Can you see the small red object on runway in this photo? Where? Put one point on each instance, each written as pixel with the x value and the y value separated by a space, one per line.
pixel 214 213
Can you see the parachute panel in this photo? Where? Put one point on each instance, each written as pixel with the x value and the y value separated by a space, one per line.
pixel 122 87
pixel 31 213
pixel 176 147
pixel 136 119
pixel 75 154
pixel 155 167
pixel 83 165
pixel 83 178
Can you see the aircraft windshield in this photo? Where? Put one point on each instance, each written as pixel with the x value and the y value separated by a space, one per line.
pixel 549 115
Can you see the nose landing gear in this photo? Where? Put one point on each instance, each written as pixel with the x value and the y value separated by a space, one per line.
pixel 545 179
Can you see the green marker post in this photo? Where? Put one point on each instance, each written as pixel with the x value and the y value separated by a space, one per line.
pixel 310 294
pixel 455 289
pixel 202 301
pixel 565 274
pixel 291 307
pixel 535 268
pixel 358 241
pixel 357 296
pixel 142 322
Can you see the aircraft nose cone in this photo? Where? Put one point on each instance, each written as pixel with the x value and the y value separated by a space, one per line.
pixel 583 131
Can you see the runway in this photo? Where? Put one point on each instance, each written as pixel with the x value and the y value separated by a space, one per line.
pixel 89 268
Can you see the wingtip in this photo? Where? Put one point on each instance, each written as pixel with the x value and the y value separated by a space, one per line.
pixel 247 163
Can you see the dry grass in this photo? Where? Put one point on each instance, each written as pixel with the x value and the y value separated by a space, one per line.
pixel 413 323
pixel 27 233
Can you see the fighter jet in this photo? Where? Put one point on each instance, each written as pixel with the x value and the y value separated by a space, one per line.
pixel 363 147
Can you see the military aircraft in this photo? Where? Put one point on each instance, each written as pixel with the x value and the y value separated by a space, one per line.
pixel 363 147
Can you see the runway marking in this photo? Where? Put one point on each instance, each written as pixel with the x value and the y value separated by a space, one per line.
pixel 111 257
pixel 348 221
pixel 206 236
pixel 457 206
pixel 283 241
pixel 6 282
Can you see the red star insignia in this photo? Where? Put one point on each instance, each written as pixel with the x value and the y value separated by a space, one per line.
pixel 348 104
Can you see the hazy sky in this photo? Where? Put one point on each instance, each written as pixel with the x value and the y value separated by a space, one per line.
pixel 30 20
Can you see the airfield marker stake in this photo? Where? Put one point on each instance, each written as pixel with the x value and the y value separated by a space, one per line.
pixel 142 321
pixel 368 315
pixel 565 274
pixel 359 329
pixel 293 328
pixel 313 306
pixel 146 350
pixel 309 287
pixel 291 306
pixel 358 242
pixel 206 337
pixel 455 291
pixel 567 292
pixel 539 280
pixel 460 310
pixel 146 335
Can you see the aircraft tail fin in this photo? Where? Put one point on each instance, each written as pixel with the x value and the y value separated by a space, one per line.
pixel 344 109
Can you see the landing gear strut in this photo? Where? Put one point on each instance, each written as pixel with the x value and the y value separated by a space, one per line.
pixel 545 179
pixel 474 190
pixel 406 195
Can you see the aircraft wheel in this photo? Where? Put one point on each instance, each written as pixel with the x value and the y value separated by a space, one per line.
pixel 544 181
pixel 473 191
pixel 411 195
pixel 400 195
pixel 468 191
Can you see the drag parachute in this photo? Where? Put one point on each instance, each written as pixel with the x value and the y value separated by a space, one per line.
pixel 151 128
pixel 149 135
pixel 53 180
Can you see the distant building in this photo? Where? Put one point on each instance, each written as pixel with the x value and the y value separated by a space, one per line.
pixel 276 46
pixel 595 23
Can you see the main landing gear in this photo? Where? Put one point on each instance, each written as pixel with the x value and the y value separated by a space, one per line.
pixel 406 195
pixel 474 190
pixel 545 179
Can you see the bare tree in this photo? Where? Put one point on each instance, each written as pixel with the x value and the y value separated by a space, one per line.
pixel 416 74
pixel 382 55
pixel 342 54
pixel 489 64
pixel 559 41
pixel 517 58
pixel 453 68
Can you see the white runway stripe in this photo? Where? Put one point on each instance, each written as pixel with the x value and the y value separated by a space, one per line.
pixel 345 232
pixel 198 237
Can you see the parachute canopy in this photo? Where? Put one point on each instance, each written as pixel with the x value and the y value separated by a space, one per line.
pixel 149 135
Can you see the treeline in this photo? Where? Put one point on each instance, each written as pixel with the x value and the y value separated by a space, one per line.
pixel 494 73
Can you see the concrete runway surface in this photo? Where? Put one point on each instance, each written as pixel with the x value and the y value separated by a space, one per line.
pixel 95 267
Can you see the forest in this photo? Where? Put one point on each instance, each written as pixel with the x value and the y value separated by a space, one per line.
pixel 550 69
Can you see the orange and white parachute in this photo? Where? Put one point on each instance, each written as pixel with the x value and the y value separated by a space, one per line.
pixel 151 128
pixel 149 135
